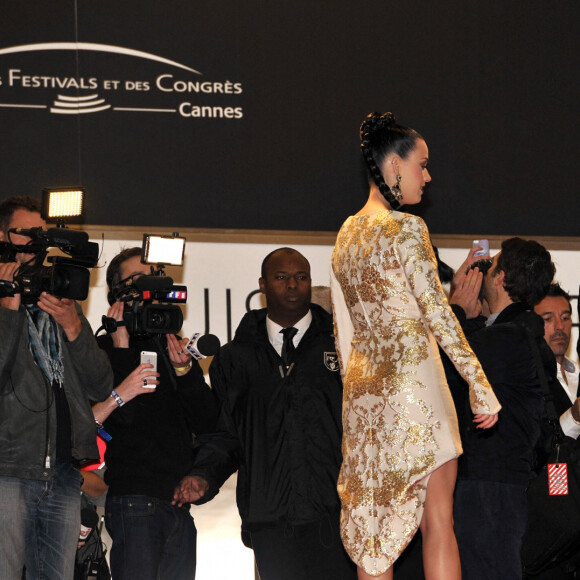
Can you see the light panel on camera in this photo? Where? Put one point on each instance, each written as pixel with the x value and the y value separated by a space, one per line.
pixel 58 204
pixel 167 250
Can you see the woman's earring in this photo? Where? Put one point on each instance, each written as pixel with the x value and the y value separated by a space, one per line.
pixel 396 189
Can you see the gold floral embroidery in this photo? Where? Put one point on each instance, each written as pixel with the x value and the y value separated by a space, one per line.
pixel 399 423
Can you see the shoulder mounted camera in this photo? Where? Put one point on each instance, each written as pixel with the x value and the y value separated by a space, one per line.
pixel 68 277
pixel 150 302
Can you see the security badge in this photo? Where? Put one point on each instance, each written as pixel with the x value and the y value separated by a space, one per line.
pixel 557 478
pixel 331 361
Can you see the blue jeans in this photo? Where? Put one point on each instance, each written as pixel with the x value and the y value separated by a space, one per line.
pixel 40 523
pixel 152 539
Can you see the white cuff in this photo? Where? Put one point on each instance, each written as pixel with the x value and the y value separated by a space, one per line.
pixel 569 425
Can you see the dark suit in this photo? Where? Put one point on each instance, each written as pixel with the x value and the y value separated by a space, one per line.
pixel 497 464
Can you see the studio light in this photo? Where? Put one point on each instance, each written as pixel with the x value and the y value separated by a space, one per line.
pixel 166 250
pixel 63 203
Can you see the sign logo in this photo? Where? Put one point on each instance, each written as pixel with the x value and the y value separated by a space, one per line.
pixel 179 89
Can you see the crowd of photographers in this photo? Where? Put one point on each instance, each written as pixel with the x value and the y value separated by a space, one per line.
pixel 59 385
pixel 62 391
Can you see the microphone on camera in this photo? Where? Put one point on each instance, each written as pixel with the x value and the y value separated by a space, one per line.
pixel 54 236
pixel 201 346
pixel 89 521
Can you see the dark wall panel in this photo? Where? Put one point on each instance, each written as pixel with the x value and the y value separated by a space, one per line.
pixel 492 86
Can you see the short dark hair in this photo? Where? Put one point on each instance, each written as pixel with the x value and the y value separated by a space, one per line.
pixel 271 254
pixel 528 269
pixel 556 291
pixel 114 268
pixel 11 204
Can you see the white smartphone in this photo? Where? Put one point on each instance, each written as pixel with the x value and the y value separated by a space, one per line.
pixel 148 356
pixel 484 245
pixel 484 264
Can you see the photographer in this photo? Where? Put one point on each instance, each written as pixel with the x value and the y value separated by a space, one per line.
pixel 150 448
pixel 50 367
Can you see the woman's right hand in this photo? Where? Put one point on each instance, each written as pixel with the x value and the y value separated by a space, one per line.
pixel 134 385
pixel 485 421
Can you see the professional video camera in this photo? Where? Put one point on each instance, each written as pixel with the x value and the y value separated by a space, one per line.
pixel 150 301
pixel 69 277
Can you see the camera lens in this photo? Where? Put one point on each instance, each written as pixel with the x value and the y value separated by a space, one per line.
pixel 158 320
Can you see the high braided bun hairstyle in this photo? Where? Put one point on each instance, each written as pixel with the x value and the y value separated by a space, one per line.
pixel 380 135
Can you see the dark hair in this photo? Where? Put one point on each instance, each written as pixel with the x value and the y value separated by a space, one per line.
pixel 269 256
pixel 528 269
pixel 380 135
pixel 556 291
pixel 11 204
pixel 114 268
pixel 445 271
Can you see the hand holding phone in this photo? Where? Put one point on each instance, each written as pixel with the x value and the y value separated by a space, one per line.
pixel 484 245
pixel 483 263
pixel 148 356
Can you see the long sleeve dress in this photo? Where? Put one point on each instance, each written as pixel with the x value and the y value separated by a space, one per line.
pixel 399 421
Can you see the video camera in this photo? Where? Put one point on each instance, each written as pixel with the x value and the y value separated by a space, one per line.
pixel 67 278
pixel 151 301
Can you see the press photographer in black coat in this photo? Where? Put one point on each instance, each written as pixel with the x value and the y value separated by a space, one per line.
pixel 151 444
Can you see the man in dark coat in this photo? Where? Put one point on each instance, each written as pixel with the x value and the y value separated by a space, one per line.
pixel 279 387
pixel 151 442
pixel 556 310
pixel 490 504
pixel 50 369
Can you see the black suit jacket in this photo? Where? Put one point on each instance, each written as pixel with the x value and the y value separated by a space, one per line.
pixel 511 450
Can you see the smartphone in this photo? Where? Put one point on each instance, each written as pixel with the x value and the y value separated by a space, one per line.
pixel 484 245
pixel 148 356
pixel 485 264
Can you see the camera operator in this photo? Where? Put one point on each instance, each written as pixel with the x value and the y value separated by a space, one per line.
pixel 50 368
pixel 151 442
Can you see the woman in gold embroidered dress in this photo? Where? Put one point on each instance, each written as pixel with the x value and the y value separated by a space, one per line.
pixel 401 439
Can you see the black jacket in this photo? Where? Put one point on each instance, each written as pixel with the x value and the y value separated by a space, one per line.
pixel 152 435
pixel 283 433
pixel 514 447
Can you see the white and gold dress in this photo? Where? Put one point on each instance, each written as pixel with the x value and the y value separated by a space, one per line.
pixel 398 416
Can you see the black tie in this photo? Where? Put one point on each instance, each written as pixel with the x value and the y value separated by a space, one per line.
pixel 288 345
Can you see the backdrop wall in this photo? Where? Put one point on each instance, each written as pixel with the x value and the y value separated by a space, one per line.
pixel 225 275
pixel 229 114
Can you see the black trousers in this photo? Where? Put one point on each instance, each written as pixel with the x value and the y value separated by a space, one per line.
pixel 310 551
pixel 490 520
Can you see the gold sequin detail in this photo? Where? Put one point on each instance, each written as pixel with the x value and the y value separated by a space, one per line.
pixel 398 418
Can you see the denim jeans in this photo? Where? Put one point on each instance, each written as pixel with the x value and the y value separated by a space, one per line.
pixel 152 539
pixel 40 523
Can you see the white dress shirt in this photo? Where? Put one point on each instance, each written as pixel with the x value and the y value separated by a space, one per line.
pixel 569 370
pixel 277 338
